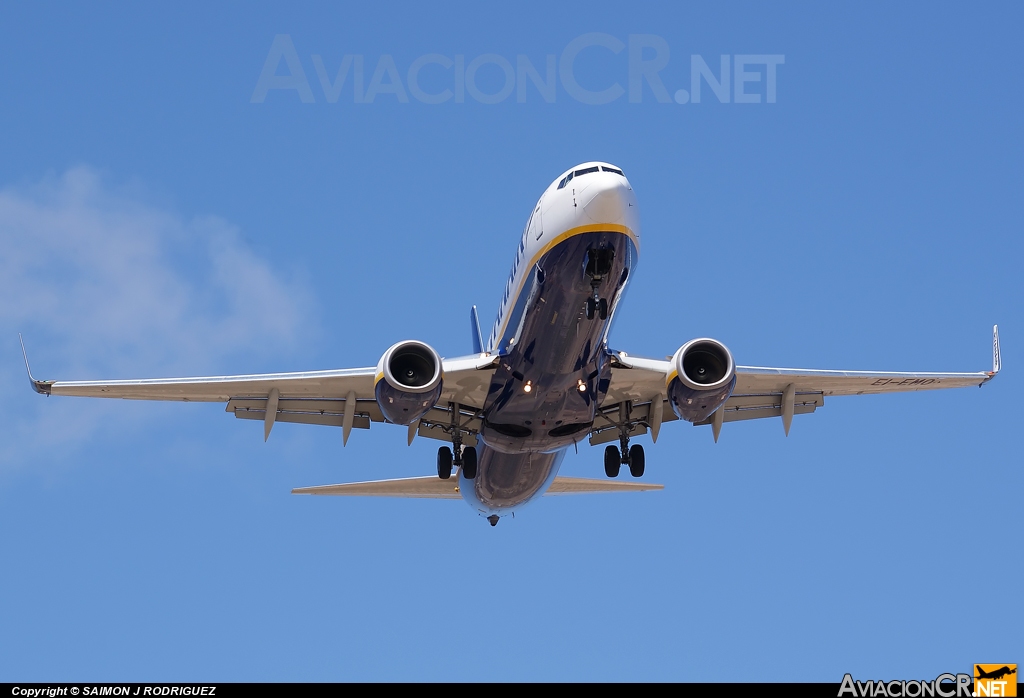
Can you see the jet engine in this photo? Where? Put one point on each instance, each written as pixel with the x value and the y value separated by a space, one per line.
pixel 408 381
pixel 703 377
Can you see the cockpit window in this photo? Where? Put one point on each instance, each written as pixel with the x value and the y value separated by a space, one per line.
pixel 587 170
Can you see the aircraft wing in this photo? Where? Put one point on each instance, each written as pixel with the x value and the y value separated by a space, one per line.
pixel 760 392
pixel 330 398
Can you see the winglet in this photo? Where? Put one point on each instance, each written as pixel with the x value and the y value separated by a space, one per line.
pixel 997 362
pixel 41 387
pixel 478 338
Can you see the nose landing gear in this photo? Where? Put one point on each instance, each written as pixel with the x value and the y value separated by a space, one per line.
pixel 597 306
pixel 599 265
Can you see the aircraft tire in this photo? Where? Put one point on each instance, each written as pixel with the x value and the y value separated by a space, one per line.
pixel 611 461
pixel 591 308
pixel 444 462
pixel 469 462
pixel 636 460
pixel 602 309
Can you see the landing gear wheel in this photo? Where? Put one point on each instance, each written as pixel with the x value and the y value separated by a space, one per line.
pixel 444 462
pixel 611 461
pixel 591 308
pixel 602 308
pixel 636 460
pixel 469 462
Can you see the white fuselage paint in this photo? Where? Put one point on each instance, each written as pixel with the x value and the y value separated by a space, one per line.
pixel 590 200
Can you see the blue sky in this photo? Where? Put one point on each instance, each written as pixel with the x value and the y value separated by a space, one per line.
pixel 154 220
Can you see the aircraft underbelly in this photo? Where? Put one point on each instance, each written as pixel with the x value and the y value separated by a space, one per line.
pixel 507 481
pixel 556 351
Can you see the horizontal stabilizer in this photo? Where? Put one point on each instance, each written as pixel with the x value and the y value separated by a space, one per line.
pixel 429 487
pixel 432 487
pixel 583 485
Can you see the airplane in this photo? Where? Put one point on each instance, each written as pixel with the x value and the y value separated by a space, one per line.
pixel 544 379
pixel 996 674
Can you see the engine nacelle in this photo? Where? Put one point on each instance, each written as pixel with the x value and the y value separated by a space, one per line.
pixel 703 377
pixel 408 381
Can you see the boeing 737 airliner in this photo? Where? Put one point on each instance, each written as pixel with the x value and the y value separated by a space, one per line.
pixel 544 380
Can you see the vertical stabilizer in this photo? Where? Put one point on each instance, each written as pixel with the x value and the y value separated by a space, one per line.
pixel 478 339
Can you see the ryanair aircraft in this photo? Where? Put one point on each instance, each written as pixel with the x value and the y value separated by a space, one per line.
pixel 544 379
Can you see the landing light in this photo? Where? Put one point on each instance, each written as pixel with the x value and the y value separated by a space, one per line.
pixel 527 387
pixel 582 387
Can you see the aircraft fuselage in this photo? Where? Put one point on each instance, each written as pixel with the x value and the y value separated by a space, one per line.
pixel 580 245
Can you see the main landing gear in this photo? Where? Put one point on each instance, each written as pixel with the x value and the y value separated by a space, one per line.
pixel 624 454
pixel 599 264
pixel 633 458
pixel 457 455
pixel 466 459
pixel 444 462
pixel 469 462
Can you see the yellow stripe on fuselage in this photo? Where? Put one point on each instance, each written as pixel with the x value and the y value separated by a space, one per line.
pixel 560 238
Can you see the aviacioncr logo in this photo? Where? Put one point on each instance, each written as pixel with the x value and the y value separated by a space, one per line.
pixel 582 69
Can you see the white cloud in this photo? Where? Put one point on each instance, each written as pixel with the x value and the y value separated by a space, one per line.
pixel 104 284
pixel 95 269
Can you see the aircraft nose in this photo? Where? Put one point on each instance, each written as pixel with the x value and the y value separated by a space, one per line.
pixel 606 199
